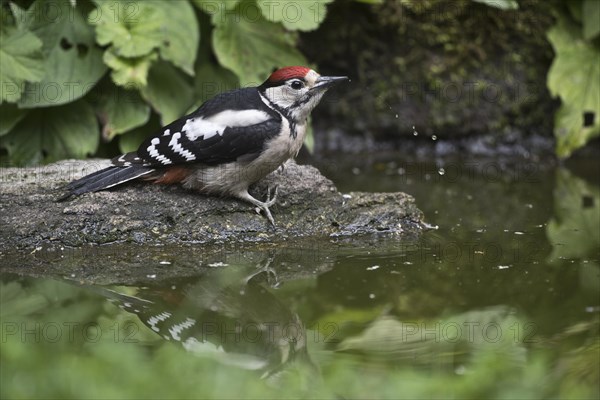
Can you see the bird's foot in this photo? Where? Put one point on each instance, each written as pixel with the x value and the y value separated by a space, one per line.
pixel 261 206
pixel 270 201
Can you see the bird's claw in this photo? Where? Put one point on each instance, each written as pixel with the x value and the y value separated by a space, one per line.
pixel 270 201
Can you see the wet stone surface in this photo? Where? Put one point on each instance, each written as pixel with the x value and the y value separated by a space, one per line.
pixel 309 205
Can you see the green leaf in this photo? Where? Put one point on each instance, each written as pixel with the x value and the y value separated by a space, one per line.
pixel 10 115
pixel 251 46
pixel 167 92
pixel 131 140
pixel 295 15
pixel 20 61
pixel 574 76
pixel 216 9
pixel 210 80
pixel 120 110
pixel 591 18
pixel 500 4
pixel 574 231
pixel 53 133
pixel 135 29
pixel 180 32
pixel 129 72
pixel 73 62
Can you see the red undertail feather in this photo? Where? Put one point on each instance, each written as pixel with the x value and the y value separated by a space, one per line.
pixel 172 175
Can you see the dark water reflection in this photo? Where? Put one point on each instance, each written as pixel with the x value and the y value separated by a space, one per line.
pixel 502 300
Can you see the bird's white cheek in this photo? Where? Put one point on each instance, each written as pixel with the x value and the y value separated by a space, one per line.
pixel 280 96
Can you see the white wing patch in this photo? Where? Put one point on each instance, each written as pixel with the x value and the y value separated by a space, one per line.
pixel 196 127
pixel 235 118
pixel 155 154
pixel 216 124
pixel 177 148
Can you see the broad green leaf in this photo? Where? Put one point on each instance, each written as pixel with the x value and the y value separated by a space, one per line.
pixel 501 4
pixel 216 9
pixel 295 15
pixel 135 29
pixel 574 76
pixel 73 62
pixel 129 72
pixel 180 32
pixel 574 231
pixel 131 140
pixel 10 115
pixel 120 110
pixel 591 18
pixel 20 61
pixel 210 80
pixel 53 133
pixel 252 47
pixel 570 131
pixel 168 92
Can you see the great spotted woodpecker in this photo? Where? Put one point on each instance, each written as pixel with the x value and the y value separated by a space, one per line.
pixel 230 142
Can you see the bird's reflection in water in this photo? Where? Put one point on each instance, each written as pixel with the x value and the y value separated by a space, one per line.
pixel 231 311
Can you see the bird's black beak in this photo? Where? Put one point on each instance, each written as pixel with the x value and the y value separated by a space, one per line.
pixel 325 82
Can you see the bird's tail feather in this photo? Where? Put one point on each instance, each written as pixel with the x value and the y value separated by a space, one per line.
pixel 104 179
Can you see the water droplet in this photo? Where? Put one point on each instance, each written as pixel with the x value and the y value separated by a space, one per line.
pixel 441 171
pixel 165 262
pixel 372 268
pixel 372 296
pixel 356 170
pixel 433 137
pixel 503 266
pixel 151 276
pixel 519 233
pixel 396 116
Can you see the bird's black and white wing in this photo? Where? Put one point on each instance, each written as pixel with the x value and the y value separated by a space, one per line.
pixel 212 134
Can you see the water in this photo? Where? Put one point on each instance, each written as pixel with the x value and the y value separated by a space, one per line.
pixel 501 300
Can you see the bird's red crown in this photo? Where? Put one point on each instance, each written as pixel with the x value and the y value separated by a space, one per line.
pixel 285 73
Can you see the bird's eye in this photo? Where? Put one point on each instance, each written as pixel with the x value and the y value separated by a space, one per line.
pixel 297 85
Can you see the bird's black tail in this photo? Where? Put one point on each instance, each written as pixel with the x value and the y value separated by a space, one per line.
pixel 104 179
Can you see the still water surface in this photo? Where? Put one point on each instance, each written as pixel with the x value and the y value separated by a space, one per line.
pixel 502 300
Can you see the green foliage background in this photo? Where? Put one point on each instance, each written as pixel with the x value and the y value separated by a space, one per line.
pixel 74 72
